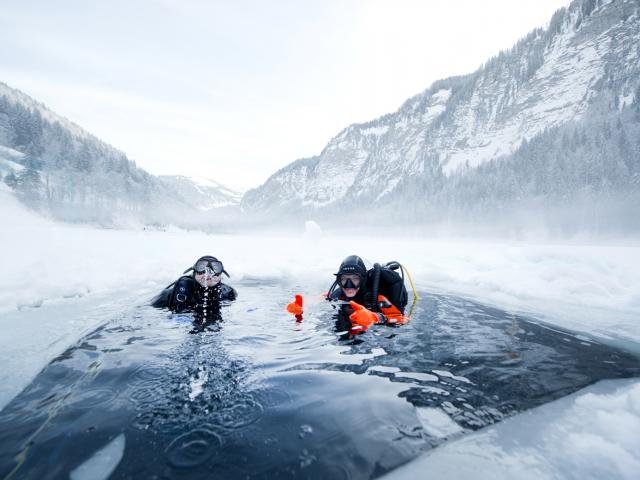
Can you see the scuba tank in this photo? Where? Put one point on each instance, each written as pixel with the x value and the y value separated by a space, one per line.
pixel 387 282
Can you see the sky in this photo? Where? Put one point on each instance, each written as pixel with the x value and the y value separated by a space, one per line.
pixel 235 90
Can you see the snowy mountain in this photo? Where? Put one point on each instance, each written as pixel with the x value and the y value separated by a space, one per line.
pixel 56 167
pixel 203 193
pixel 445 150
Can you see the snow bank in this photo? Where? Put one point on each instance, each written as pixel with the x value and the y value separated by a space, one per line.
pixel 593 289
pixel 592 434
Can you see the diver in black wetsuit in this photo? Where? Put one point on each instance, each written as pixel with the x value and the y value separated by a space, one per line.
pixel 201 290
pixel 356 287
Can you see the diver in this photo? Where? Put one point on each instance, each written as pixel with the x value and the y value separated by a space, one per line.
pixel 377 295
pixel 198 292
pixel 355 289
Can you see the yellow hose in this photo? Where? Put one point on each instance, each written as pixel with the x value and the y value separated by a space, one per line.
pixel 413 287
pixel 416 297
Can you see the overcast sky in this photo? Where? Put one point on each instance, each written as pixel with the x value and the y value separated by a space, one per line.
pixel 234 90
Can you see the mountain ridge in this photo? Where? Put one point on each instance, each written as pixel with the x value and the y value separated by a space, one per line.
pixel 74 176
pixel 586 56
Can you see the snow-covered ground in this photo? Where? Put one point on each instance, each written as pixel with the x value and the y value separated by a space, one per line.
pixel 59 281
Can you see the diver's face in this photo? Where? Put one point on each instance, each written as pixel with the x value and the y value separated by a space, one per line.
pixel 350 284
pixel 208 280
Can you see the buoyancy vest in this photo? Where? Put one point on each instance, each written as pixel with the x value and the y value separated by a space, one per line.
pixel 186 294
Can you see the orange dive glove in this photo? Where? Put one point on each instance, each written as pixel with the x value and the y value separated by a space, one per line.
pixel 391 312
pixel 295 307
pixel 362 318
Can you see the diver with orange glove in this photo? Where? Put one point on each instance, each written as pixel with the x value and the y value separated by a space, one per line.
pixel 355 289
pixel 359 287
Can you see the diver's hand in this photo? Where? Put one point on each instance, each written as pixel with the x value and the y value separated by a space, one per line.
pixel 399 320
pixel 362 318
pixel 295 307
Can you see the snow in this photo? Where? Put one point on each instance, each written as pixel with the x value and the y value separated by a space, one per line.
pixel 333 176
pixel 10 154
pixel 312 230
pixel 592 434
pixel 437 105
pixel 207 182
pixel 7 166
pixel 431 113
pixel 375 131
pixel 60 281
pixel 557 93
pixel 626 100
pixel 441 96
pixel 210 194
pixel 8 158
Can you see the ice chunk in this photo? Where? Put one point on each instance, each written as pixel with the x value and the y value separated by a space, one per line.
pixel 437 423
pixel 422 377
pixel 102 463
pixel 444 373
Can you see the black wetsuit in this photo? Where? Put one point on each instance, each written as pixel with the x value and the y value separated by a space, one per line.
pixel 187 295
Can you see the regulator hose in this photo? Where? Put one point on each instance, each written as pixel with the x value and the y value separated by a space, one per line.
pixel 375 286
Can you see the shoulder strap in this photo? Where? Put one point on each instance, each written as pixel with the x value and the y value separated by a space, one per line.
pixel 182 291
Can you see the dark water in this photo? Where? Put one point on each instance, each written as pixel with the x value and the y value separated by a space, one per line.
pixel 257 395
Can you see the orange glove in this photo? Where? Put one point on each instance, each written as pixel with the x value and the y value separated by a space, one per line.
pixel 295 307
pixel 361 318
pixel 391 312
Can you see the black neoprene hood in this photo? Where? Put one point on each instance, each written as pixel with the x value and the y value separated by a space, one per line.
pixel 353 264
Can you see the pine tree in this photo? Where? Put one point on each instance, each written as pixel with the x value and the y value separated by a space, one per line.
pixel 29 187
pixel 11 180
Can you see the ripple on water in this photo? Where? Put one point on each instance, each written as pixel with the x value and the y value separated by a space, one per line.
pixel 148 372
pixel 336 472
pixel 193 448
pixel 245 412
pixel 146 393
pixel 92 397
pixel 161 419
pixel 273 397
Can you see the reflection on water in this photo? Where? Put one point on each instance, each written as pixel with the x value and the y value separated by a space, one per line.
pixel 480 364
pixel 248 392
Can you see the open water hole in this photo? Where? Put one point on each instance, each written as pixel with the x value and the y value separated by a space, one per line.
pixel 254 394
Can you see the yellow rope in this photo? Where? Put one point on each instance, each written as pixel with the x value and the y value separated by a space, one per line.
pixel 413 287
pixel 416 297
